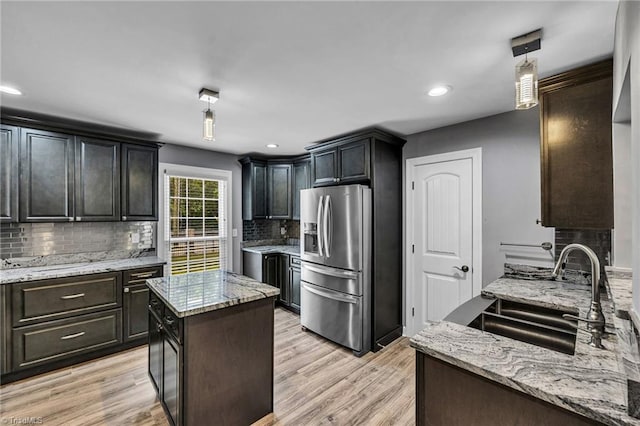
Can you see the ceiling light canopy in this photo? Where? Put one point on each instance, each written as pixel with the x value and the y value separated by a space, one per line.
pixel 527 69
pixel 208 95
pixel 439 90
pixel 272 145
pixel 10 90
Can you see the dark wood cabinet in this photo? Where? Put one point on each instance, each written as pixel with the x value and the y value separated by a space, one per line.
pixel 271 270
pixel 294 283
pixel 279 184
pixel 46 176
pixel 221 372
pixel 9 173
pixel 139 182
pixel 279 270
pixel 342 163
pixel 97 180
pixel 301 180
pixel 52 323
pixel 271 187
pixel 576 151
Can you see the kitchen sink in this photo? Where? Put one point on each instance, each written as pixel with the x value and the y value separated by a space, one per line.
pixel 532 324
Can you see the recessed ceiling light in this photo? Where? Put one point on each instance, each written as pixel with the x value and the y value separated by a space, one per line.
pixel 10 90
pixel 272 145
pixel 439 90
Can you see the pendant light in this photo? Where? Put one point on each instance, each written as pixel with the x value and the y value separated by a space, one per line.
pixel 527 69
pixel 209 119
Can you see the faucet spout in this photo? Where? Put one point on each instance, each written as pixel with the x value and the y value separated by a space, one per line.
pixel 595 318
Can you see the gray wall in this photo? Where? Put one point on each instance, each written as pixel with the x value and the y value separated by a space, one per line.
pixel 626 53
pixel 510 145
pixel 213 160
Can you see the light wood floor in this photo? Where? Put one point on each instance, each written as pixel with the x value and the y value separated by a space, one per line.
pixel 316 382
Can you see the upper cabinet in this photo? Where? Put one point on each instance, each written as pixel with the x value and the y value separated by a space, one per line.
pixel 8 173
pixel 46 176
pixel 576 153
pixel 139 182
pixel 97 180
pixel 73 174
pixel 271 187
pixel 341 164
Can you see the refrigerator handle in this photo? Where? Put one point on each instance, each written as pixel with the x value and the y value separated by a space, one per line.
pixel 327 227
pixel 334 295
pixel 318 226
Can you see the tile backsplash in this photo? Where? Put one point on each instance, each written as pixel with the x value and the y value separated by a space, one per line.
pixel 36 240
pixel 598 240
pixel 266 229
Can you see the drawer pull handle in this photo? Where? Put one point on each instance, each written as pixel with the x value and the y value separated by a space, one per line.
pixel 72 336
pixel 72 296
pixel 142 275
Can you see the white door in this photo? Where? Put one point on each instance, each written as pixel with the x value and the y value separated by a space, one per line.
pixel 442 239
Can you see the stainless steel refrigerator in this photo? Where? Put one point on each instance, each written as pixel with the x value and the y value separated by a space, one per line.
pixel 335 299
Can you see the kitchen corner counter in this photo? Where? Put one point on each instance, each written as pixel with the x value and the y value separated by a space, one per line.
pixel 589 383
pixel 284 249
pixel 199 292
pixel 18 275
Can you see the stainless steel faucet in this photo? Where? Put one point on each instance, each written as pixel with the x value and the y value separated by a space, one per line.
pixel 595 318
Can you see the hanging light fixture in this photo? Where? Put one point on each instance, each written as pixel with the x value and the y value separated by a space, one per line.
pixel 527 69
pixel 209 120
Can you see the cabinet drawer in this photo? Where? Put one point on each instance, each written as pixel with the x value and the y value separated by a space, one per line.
pixel 139 276
pixel 156 305
pixel 61 297
pixel 53 340
pixel 172 324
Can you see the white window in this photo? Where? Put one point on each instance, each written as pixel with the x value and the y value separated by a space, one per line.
pixel 195 219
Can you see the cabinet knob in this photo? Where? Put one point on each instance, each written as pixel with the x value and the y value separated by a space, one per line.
pixel 126 289
pixel 124 218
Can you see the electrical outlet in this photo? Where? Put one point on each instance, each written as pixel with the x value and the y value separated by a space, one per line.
pixel 283 230
pixel 234 232
pixel 135 237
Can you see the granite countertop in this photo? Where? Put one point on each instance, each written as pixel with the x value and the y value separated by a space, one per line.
pixel 590 382
pixel 295 250
pixel 199 292
pixel 17 275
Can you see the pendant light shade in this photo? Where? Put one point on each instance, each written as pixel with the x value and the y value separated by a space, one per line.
pixel 526 84
pixel 209 126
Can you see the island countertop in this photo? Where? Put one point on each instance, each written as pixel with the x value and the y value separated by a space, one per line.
pixel 198 292
pixel 589 383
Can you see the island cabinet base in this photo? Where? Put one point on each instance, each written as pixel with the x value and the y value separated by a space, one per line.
pixel 219 368
pixel 449 396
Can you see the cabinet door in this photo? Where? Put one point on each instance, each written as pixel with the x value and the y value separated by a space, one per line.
pixel 259 191
pixel 8 173
pixel 136 301
pixel 279 195
pixel 46 176
pixel 283 277
pixel 300 182
pixel 97 183
pixel 353 159
pixel 139 182
pixel 270 269
pixel 155 352
pixel 324 167
pixel 294 285
pixel 171 379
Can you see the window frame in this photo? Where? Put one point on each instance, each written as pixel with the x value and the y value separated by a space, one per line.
pixel 198 173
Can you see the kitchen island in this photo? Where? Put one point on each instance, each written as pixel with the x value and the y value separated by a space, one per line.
pixel 211 347
pixel 506 381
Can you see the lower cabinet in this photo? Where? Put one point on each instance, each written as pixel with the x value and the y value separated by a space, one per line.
pixel 48 324
pixel 279 270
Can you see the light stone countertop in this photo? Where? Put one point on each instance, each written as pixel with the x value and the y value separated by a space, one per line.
pixel 589 383
pixel 199 292
pixel 18 275
pixel 294 250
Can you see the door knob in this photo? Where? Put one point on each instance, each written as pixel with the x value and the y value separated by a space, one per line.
pixel 464 268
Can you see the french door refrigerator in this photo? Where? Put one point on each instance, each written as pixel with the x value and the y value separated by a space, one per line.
pixel 335 286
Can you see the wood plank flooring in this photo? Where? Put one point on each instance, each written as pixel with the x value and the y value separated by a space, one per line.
pixel 316 382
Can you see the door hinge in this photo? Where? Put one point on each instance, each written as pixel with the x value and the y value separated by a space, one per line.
pixel 413 185
pixel 413 312
pixel 413 248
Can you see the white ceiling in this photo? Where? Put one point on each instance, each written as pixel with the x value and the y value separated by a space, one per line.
pixel 289 73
